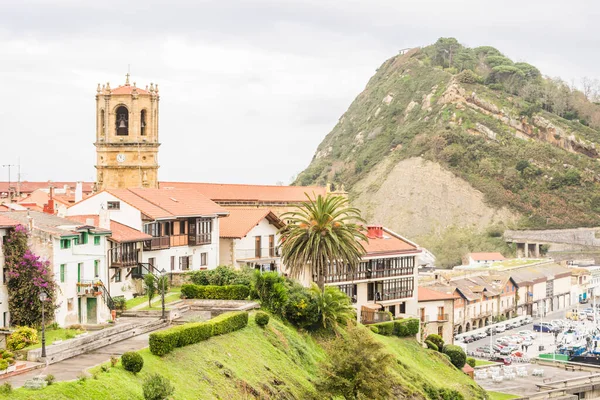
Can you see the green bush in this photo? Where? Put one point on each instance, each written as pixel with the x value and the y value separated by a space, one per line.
pixel 457 355
pixel 163 342
pixel 6 388
pixel 374 329
pixel 270 288
pixel 468 76
pixel 157 387
pixel 385 328
pixel 408 327
pixel 431 345
pixel 231 292
pixel 120 303
pixel 222 276
pixel 3 364
pixel 435 339
pixel 261 318
pixel 22 337
pixel 50 379
pixel 301 308
pixel 471 361
pixel 7 354
pixel 132 361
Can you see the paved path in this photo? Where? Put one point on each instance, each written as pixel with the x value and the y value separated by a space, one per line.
pixel 71 368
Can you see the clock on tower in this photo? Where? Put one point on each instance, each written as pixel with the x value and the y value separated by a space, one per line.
pixel 126 136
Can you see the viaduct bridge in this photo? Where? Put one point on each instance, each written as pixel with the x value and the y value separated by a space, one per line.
pixel 579 239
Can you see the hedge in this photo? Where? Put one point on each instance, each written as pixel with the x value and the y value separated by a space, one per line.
pixel 457 355
pixel 407 327
pixel 431 345
pixel 231 292
pixel 163 342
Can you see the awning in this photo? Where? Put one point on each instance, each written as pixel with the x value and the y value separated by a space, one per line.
pixel 373 306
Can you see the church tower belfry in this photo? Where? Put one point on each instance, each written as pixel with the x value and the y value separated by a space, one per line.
pixel 126 136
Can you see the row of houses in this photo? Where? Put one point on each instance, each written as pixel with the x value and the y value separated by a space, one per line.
pixel 449 306
pixel 108 239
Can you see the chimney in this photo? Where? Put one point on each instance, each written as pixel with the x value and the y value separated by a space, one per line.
pixel 375 231
pixel 49 207
pixel 103 219
pixel 79 192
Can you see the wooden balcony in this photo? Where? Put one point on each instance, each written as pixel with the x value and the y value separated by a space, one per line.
pixel 197 240
pixel 370 316
pixel 157 243
pixel 179 240
pixel 117 258
pixel 442 317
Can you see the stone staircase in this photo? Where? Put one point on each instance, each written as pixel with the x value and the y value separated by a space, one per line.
pixel 94 340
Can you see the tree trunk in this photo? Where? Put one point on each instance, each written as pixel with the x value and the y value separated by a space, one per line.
pixel 321 281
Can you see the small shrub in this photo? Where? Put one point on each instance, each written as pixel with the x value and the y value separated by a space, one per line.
pixel 468 76
pixel 114 360
pixel 407 327
pixel 436 339
pixel 471 361
pixel 52 326
pixel 22 337
pixel 231 292
pixel 385 328
pixel 6 388
pixel 70 335
pixel 431 345
pixel 132 361
pixel 457 355
pixel 120 303
pixel 374 329
pixel 50 379
pixel 157 387
pixel 261 318
pixel 7 354
pixel 81 378
pixel 3 364
pixel 301 308
pixel 104 368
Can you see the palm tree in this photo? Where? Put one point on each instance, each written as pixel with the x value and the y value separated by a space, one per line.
pixel 322 232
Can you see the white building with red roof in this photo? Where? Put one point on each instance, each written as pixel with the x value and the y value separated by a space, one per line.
pixel 249 237
pixel 482 259
pixel 436 312
pixel 385 279
pixel 182 227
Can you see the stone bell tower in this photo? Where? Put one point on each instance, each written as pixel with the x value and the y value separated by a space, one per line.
pixel 126 136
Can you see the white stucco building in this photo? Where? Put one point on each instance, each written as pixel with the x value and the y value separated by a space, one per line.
pixel 250 237
pixel 182 223
pixel 77 255
pixel 6 224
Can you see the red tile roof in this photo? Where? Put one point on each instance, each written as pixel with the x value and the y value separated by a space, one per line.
pixel 28 187
pixel 266 193
pixel 390 243
pixel 487 256
pixel 127 89
pixel 6 222
pixel 426 294
pixel 120 233
pixel 169 203
pixel 241 221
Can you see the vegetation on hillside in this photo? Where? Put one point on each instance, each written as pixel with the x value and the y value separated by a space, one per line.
pixel 526 141
pixel 274 361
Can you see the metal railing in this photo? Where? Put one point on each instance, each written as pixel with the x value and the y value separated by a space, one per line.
pixel 95 287
pixel 263 252
pixel 199 239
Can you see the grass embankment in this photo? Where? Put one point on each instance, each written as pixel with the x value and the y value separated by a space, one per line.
pixel 275 362
pixel 501 396
pixel 172 295
pixel 53 335
pixel 479 363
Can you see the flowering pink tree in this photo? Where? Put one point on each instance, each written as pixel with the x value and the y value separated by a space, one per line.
pixel 26 277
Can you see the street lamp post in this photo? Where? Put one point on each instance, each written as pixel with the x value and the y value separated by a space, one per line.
pixel 43 297
pixel 163 275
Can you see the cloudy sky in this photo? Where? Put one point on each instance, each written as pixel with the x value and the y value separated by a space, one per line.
pixel 248 88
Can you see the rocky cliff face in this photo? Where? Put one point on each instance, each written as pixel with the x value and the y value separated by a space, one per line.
pixel 422 148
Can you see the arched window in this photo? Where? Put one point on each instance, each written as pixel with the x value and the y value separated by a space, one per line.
pixel 122 121
pixel 102 120
pixel 143 123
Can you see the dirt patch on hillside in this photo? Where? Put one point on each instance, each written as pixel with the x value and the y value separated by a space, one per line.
pixel 418 197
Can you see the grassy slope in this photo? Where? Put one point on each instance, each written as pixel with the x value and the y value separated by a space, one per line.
pixel 501 396
pixel 273 362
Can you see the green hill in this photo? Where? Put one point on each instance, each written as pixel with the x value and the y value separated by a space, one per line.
pixel 276 362
pixel 449 136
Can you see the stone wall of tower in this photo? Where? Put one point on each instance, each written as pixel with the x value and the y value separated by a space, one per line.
pixel 127 161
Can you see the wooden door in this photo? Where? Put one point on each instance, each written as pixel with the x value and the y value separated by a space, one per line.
pixel 92 307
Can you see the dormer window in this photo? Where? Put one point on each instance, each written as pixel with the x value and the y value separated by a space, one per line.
pixel 122 121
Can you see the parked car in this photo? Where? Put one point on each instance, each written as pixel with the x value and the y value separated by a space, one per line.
pixel 527 342
pixel 483 349
pixel 503 360
pixel 531 334
pixel 544 327
pixel 517 338
pixel 481 335
pixel 511 325
pixel 491 330
pixel 500 328
pixel 527 320
pixel 468 339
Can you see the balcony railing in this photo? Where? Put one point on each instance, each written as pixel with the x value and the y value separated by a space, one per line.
pixel 442 317
pixel 264 252
pixel 179 240
pixel 88 287
pixel 199 239
pixel 157 243
pixel 119 258
pixel 362 275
